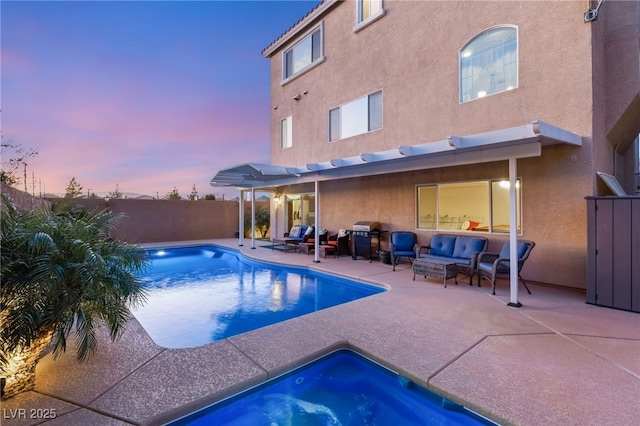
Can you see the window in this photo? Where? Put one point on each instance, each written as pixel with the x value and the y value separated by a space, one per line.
pixel 286 137
pixel 303 54
pixel 356 117
pixel 489 63
pixel 466 206
pixel 368 10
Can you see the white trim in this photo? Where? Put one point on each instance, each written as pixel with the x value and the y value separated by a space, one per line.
pixel 294 30
pixel 370 20
pixel 497 145
pixel 340 108
pixel 309 33
pixel 476 36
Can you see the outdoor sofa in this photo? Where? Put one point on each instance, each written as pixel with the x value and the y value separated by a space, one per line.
pixel 300 233
pixel 459 249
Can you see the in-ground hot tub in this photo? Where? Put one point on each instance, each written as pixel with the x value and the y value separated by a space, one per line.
pixel 342 388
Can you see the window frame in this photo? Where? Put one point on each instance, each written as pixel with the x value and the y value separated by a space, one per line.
pixel 286 123
pixel 362 22
pixel 298 43
pixel 492 228
pixel 348 106
pixel 461 56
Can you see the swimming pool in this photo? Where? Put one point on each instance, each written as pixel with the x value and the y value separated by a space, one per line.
pixel 342 388
pixel 197 295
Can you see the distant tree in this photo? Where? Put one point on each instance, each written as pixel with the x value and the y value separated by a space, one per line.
pixel 116 194
pixel 209 197
pixel 194 193
pixel 74 189
pixel 13 157
pixel 173 195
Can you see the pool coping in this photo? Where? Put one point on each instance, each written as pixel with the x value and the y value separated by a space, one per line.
pixel 555 360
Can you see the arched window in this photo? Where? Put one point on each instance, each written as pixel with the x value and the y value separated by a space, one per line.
pixel 489 63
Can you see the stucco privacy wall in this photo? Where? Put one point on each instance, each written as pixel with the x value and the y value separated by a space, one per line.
pixel 148 221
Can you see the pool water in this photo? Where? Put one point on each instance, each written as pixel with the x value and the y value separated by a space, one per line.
pixel 198 295
pixel 342 388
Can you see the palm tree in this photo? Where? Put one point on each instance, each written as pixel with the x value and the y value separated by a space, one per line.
pixel 61 274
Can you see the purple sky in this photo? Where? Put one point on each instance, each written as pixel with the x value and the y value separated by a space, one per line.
pixel 145 95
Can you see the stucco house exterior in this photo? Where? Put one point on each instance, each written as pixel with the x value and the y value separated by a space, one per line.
pixel 421 115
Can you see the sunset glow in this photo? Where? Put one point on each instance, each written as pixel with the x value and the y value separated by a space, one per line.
pixel 144 95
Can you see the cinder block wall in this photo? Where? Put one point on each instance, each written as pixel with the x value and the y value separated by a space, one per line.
pixel 24 200
pixel 147 221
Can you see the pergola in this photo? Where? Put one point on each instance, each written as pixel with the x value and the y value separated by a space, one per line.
pixel 510 144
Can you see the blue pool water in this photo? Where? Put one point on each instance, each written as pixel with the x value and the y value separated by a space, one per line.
pixel 343 388
pixel 197 295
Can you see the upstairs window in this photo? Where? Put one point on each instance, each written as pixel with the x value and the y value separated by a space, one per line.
pixel 489 63
pixel 303 54
pixel 286 133
pixel 368 10
pixel 356 117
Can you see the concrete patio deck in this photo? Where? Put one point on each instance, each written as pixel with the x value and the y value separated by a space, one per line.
pixel 554 361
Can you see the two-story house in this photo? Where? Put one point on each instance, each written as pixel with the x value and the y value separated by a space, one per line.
pixel 422 115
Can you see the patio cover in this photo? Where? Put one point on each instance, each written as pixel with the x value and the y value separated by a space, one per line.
pixel 496 145
pixel 504 144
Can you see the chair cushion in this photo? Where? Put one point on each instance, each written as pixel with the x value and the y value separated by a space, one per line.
pixel 442 245
pixel 403 241
pixel 467 247
pixel 506 250
pixel 404 253
pixel 485 266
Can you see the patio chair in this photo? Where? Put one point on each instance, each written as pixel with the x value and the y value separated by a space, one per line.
pixel 402 244
pixel 341 243
pixel 492 266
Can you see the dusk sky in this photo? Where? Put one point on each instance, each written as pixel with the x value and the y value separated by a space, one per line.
pixel 146 95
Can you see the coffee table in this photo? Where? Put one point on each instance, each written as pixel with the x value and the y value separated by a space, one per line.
pixel 434 268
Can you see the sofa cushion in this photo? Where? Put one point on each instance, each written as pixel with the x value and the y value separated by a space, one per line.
pixel 506 250
pixel 467 246
pixel 442 245
pixel 295 232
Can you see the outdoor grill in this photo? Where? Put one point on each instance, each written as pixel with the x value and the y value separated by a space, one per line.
pixel 365 237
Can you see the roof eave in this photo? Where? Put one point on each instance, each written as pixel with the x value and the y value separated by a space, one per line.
pixel 293 31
